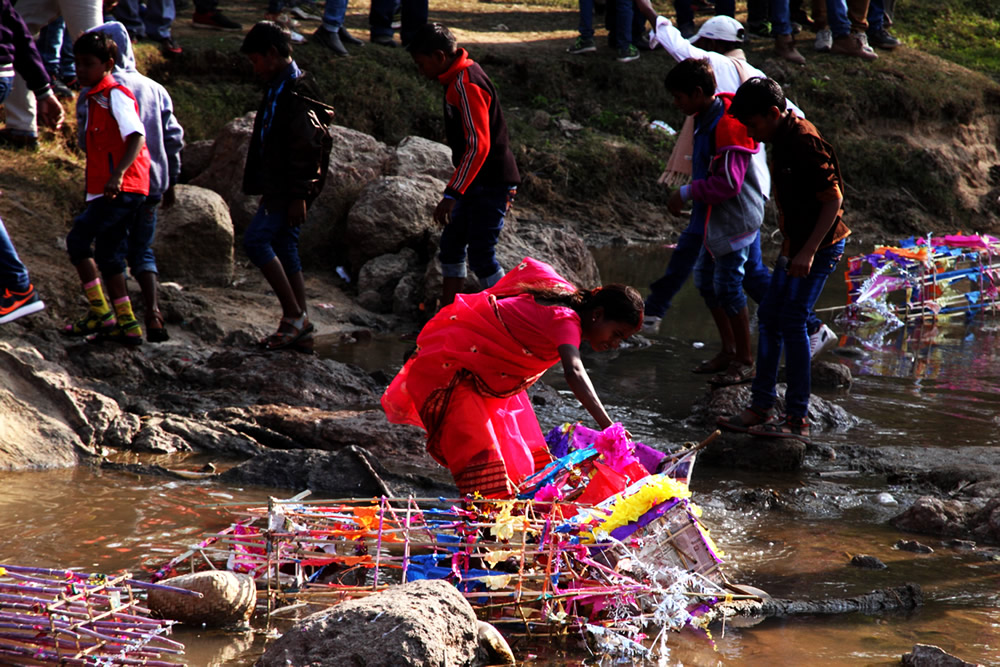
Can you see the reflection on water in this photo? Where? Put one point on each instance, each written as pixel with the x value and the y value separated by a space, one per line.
pixel 932 386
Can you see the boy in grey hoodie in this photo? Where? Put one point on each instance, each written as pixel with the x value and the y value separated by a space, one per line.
pixel 164 139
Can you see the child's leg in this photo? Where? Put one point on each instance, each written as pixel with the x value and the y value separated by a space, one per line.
pixel 452 250
pixel 259 243
pixel 142 263
pixel 682 261
pixel 86 227
pixel 801 296
pixel 769 340
pixel 704 281
pixel 13 274
pixel 487 211
pixel 728 287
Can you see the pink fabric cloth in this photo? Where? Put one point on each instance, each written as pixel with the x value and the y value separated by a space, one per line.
pixel 465 384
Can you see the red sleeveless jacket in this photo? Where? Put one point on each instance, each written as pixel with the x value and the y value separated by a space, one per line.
pixel 105 147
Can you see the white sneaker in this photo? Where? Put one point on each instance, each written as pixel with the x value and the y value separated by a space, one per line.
pixel 824 40
pixel 296 38
pixel 863 38
pixel 821 340
pixel 651 324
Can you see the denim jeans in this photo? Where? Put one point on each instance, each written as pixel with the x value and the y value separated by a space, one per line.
pixel 56 48
pixel 153 22
pixel 138 247
pixel 333 14
pixel 13 274
pixel 836 16
pixel 269 235
pixel 475 226
pixel 876 15
pixel 6 82
pixel 782 320
pixel 720 279
pixel 781 21
pixel 663 290
pixel 414 15
pixel 103 225
pixel 586 27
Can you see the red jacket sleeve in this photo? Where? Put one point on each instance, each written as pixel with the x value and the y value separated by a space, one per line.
pixel 473 103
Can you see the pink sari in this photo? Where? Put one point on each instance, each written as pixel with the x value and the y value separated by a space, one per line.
pixel 466 384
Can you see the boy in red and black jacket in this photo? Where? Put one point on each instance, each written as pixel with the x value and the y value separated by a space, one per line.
pixel 485 180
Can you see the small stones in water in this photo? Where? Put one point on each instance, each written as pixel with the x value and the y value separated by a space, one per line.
pixel 697 345
pixel 868 562
pixel 962 544
pixel 914 546
pixel 886 499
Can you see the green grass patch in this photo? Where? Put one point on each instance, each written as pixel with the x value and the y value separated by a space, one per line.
pixel 966 32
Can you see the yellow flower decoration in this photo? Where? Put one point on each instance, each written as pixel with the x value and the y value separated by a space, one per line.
pixel 626 509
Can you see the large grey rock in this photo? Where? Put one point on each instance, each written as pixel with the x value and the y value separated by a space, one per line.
pixel 392 213
pixel 356 160
pixel 224 173
pixel 194 239
pixel 350 473
pixel 195 158
pixel 566 252
pixel 416 155
pixel 424 623
pixel 927 655
pixel 381 275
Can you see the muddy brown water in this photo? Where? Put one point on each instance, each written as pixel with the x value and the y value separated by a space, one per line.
pixel 935 389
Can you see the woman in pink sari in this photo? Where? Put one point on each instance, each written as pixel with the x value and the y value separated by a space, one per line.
pixel 465 384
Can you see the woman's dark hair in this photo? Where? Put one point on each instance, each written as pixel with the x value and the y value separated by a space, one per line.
pixel 97 44
pixel 621 303
pixel 687 75
pixel 263 36
pixel 756 97
pixel 432 37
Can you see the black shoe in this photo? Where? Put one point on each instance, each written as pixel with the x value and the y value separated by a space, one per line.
pixel 348 38
pixel 330 40
pixel 384 40
pixel 214 20
pixel 170 48
pixel 760 29
pixel 61 90
pixel 882 39
pixel 18 304
pixel 688 30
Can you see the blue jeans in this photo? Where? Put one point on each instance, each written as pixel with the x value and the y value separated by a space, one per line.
pixel 781 20
pixel 414 15
pixel 138 247
pixel 586 27
pixel 269 235
pixel 876 15
pixel 475 226
pixel 13 274
pixel 154 22
pixel 836 16
pixel 720 279
pixel 663 290
pixel 103 225
pixel 56 49
pixel 782 317
pixel 333 14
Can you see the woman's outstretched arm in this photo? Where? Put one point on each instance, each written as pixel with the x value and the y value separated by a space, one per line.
pixel 579 382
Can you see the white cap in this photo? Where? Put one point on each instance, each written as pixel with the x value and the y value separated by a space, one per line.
pixel 723 28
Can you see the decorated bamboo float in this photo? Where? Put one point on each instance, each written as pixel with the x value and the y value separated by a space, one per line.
pixel 64 617
pixel 594 541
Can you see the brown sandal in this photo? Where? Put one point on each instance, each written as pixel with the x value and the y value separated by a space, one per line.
pixel 743 422
pixel 789 427
pixel 155 331
pixel 737 373
pixel 716 364
pixel 289 332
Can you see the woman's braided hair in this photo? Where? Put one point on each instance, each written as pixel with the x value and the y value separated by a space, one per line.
pixel 621 303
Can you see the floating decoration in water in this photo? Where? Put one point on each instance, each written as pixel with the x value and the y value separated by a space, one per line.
pixel 924 279
pixel 635 557
pixel 63 617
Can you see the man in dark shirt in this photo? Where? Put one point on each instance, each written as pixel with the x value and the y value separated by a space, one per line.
pixel 809 192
